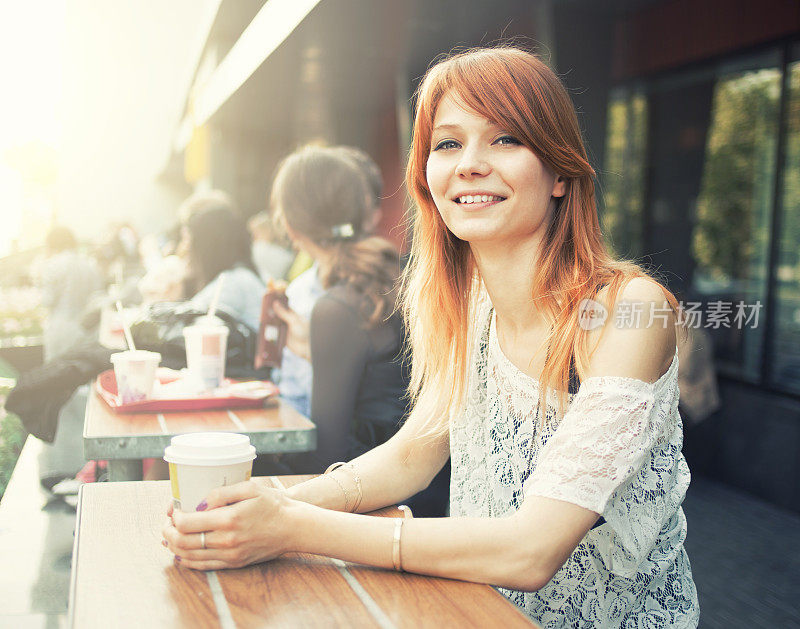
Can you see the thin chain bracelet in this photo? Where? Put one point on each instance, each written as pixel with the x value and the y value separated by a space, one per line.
pixel 344 491
pixel 357 479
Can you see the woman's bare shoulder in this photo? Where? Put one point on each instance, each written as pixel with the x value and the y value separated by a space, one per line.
pixel 638 338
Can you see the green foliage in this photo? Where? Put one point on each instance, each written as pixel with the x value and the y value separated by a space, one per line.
pixel 12 433
pixel 623 180
pixel 12 438
pixel 790 229
pixel 732 230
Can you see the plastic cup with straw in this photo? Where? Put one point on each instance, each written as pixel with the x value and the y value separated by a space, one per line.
pixel 135 370
pixel 206 346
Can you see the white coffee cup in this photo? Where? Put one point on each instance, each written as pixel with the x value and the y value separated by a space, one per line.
pixel 202 461
pixel 206 348
pixel 135 371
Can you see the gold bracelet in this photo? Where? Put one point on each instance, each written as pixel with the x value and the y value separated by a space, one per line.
pixel 397 560
pixel 334 466
pixel 398 530
pixel 344 491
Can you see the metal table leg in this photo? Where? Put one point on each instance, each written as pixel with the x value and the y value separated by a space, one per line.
pixel 124 469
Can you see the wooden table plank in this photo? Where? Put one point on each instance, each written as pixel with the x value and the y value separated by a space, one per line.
pixel 122 576
pixel 284 416
pixel 413 600
pixel 293 591
pixel 199 421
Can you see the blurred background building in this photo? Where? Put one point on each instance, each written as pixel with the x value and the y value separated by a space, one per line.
pixel 690 111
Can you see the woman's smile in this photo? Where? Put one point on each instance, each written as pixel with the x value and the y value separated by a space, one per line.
pixel 478 200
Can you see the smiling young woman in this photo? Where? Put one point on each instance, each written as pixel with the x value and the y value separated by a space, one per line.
pixel 572 509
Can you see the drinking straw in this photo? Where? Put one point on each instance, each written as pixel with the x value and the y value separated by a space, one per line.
pixel 125 327
pixel 212 309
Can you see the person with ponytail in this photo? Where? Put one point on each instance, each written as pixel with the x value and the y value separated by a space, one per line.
pixel 559 410
pixel 296 374
pixel 321 198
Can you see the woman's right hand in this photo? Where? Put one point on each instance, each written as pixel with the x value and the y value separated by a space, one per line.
pixel 298 336
pixel 243 524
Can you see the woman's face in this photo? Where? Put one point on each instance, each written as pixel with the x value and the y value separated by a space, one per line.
pixel 487 186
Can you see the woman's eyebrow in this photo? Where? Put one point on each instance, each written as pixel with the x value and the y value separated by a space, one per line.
pixel 443 127
pixel 452 126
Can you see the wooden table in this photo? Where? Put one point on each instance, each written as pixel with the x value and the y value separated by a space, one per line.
pixel 123 577
pixel 125 439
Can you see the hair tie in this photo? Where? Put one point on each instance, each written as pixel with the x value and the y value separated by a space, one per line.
pixel 344 231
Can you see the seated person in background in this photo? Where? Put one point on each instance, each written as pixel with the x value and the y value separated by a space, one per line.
pixel 164 281
pixel 304 290
pixel 355 338
pixel 68 279
pixel 216 245
pixel 272 261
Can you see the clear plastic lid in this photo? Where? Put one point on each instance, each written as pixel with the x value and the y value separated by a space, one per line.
pixel 221 330
pixel 135 355
pixel 209 448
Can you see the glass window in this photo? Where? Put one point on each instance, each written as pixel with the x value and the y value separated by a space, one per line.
pixel 730 241
pixel 622 179
pixel 785 367
pixel 714 134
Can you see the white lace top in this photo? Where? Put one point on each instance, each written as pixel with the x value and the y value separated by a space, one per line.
pixel 616 451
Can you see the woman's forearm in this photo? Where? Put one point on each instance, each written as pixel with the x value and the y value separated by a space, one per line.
pixel 469 549
pixel 389 474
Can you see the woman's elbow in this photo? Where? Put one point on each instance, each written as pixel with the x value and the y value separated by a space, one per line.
pixel 528 576
pixel 531 569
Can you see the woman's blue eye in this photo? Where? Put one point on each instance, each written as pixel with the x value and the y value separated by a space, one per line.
pixel 508 140
pixel 446 144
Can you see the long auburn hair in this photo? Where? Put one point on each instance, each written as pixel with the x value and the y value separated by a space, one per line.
pixel 441 285
pixel 322 194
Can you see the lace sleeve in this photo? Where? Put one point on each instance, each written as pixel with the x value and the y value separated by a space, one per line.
pixel 602 440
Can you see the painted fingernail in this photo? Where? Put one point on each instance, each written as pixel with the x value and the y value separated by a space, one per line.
pixel 202 506
pixel 178 559
pixel 165 542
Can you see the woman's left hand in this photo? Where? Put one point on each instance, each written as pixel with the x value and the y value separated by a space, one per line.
pixel 243 524
pixel 298 331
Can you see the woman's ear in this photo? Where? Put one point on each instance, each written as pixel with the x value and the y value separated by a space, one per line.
pixel 559 187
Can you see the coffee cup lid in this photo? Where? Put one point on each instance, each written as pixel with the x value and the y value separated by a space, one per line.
pixel 209 448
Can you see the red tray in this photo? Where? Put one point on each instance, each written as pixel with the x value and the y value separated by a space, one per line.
pixel 106 385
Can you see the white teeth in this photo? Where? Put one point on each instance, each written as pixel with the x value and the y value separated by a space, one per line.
pixel 478 198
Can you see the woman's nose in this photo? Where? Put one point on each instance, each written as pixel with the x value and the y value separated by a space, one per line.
pixel 472 164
